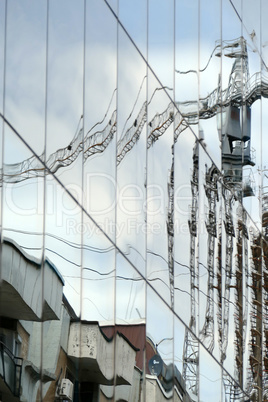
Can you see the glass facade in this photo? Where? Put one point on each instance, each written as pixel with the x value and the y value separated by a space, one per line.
pixel 134 160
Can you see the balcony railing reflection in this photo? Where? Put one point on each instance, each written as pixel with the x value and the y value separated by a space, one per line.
pixel 10 369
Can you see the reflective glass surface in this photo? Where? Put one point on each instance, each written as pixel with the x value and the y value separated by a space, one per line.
pixel 134 200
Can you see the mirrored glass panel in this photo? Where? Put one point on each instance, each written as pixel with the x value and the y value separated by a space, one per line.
pixel 160 164
pixel 210 376
pixel 159 348
pixel 130 323
pixel 98 273
pixel 209 70
pixel 23 295
pixel 187 61
pixel 26 27
pixel 185 247
pixel 230 206
pixel 253 357
pixel 98 306
pixel 131 153
pixel 133 18
pixel 100 116
pixel 184 379
pixel 209 234
pixel 161 41
pixel 64 125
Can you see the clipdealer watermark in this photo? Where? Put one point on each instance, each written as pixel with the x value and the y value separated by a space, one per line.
pixel 117 207
pixel 129 227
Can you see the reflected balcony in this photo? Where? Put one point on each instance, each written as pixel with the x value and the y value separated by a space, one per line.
pixel 10 374
pixel 22 284
pixel 96 356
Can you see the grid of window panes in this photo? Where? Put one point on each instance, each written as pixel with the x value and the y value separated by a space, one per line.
pixel 127 132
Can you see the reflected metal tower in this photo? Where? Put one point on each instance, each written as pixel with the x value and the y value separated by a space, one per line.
pixel 265 288
pixel 190 371
pixel 211 190
pixel 170 230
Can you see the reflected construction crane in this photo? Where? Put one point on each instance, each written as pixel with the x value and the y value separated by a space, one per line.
pixel 242 89
pixel 234 134
pixel 190 112
pixel 92 144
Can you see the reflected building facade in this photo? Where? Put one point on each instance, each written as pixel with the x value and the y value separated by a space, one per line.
pixel 128 174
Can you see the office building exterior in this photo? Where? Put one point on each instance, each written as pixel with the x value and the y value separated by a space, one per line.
pixel 134 206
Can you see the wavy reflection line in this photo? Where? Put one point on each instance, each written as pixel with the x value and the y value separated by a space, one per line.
pixel 203 69
pixel 94 304
pixel 68 242
pixel 135 103
pixel 73 286
pixel 94 249
pixel 97 272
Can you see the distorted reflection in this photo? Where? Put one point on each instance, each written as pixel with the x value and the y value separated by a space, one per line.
pixel 129 233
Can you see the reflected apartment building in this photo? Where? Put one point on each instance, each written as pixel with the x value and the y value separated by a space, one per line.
pixel 134 205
